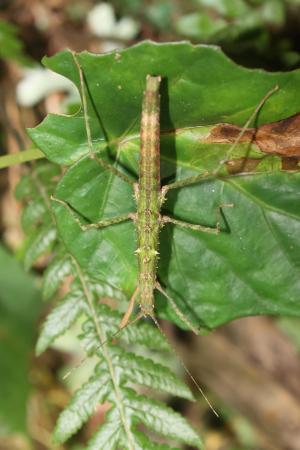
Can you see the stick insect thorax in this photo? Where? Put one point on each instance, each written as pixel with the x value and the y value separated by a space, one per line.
pixel 148 195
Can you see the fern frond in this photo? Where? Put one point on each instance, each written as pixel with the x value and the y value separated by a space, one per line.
pixel 109 435
pixel 101 288
pixel 128 408
pixel 59 268
pixel 32 214
pixel 60 319
pixel 161 419
pixel 37 219
pixel 139 370
pixel 39 243
pixel 82 406
pixel 143 442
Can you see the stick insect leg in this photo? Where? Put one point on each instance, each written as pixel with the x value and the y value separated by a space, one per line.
pixel 92 154
pixel 176 309
pixel 128 313
pixel 196 227
pixel 90 226
pixel 186 182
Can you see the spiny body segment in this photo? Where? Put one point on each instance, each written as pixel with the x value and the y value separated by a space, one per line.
pixel 148 195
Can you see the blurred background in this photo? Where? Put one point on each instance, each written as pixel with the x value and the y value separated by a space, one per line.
pixel 251 367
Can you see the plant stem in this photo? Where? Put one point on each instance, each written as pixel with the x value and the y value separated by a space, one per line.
pixel 20 157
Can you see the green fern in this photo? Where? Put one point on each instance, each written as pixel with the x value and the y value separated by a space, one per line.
pixel 11 47
pixel 59 268
pixel 116 369
pixel 119 369
pixel 37 221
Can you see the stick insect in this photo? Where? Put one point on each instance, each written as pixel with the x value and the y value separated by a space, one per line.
pixel 149 196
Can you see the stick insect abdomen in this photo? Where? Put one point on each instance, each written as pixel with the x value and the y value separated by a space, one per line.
pixel 148 195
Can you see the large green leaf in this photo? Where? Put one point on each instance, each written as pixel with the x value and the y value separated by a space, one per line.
pixel 252 266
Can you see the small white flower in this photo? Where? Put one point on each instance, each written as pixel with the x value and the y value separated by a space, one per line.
pixel 102 22
pixel 127 28
pixel 38 83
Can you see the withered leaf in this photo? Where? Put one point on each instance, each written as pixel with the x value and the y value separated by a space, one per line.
pixel 280 138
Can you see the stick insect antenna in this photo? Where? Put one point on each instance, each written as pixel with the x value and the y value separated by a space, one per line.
pixel 187 371
pixel 91 152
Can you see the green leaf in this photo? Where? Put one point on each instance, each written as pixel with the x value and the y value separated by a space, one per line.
pixel 82 406
pixel 162 419
pixel 144 371
pixel 32 214
pixel 60 319
pixel 40 243
pixel 142 442
pixel 108 436
pixel 19 309
pixel 57 270
pixel 104 289
pixel 251 267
